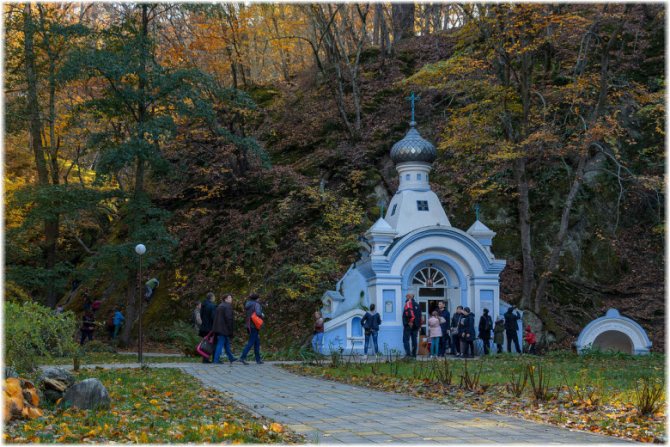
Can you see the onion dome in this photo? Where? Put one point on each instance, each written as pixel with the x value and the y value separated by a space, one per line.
pixel 413 148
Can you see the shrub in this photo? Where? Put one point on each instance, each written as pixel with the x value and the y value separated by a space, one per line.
pixel 539 382
pixel 33 331
pixel 184 337
pixel 649 396
pixel 517 382
pixel 470 381
pixel 99 346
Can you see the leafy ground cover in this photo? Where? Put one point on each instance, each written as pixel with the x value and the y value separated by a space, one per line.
pixel 97 358
pixel 151 406
pixel 598 393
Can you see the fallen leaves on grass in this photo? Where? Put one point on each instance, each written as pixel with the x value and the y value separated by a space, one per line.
pixel 153 406
pixel 615 418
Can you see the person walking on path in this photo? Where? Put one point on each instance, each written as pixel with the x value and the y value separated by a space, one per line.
pixel 455 324
pixel 207 310
pixel 445 340
pixel 530 340
pixel 87 327
pixel 317 337
pixel 371 322
pixel 466 333
pixel 223 328
pixel 435 333
pixel 252 306
pixel 511 328
pixel 117 321
pixel 499 334
pixel 485 328
pixel 411 323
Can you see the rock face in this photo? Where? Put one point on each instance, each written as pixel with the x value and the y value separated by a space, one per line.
pixel 87 394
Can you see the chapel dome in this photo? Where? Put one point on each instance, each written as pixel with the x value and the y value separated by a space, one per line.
pixel 413 148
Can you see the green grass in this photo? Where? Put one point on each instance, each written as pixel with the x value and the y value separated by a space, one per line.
pixel 150 406
pixel 93 358
pixel 614 371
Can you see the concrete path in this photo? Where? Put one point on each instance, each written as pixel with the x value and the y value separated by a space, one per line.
pixel 329 412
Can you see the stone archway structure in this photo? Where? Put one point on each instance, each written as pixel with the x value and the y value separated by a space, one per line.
pixel 614 332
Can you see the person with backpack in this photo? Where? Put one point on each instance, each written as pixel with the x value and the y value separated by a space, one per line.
pixel 149 288
pixel 117 321
pixel 87 327
pixel 370 322
pixel 456 341
pixel 411 323
pixel 317 337
pixel 207 311
pixel 253 312
pixel 485 328
pixel 223 328
pixel 499 334
pixel 445 340
pixel 530 340
pixel 511 328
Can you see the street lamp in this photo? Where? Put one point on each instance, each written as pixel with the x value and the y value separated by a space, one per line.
pixel 140 249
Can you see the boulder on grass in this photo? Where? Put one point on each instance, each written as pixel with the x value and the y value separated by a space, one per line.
pixel 88 394
pixel 59 374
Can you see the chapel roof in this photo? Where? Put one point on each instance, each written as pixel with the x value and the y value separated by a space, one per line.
pixel 413 148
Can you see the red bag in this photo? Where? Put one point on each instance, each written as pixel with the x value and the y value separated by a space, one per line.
pixel 206 346
pixel 256 320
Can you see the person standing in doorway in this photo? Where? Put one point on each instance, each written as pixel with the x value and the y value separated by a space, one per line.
pixel 456 340
pixel 317 338
pixel 499 334
pixel 250 307
pixel 223 328
pixel 445 340
pixel 434 333
pixel 511 328
pixel 485 328
pixel 411 323
pixel 370 322
pixel 207 311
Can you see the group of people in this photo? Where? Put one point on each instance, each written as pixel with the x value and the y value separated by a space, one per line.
pixel 218 320
pixel 456 335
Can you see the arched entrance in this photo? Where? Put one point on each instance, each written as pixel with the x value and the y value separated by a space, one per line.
pixel 613 341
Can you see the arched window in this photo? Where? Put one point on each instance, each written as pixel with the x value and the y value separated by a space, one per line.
pixel 356 328
pixel 429 277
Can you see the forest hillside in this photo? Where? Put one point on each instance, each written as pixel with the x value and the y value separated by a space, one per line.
pixel 248 149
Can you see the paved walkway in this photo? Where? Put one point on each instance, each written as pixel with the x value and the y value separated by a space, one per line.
pixel 330 412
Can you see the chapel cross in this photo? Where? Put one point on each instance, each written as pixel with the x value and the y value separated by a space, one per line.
pixel 381 205
pixel 477 210
pixel 412 98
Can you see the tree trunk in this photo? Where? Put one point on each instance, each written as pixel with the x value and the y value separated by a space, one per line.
pixel 541 291
pixel 524 227
pixel 51 225
pixel 403 21
pixel 131 309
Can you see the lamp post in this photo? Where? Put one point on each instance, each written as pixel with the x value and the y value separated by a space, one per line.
pixel 140 249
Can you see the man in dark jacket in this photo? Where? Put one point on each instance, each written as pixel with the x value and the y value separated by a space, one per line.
pixel 223 328
pixel 485 327
pixel 207 311
pixel 445 340
pixel 466 333
pixel 455 339
pixel 411 323
pixel 511 328
pixel 250 307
